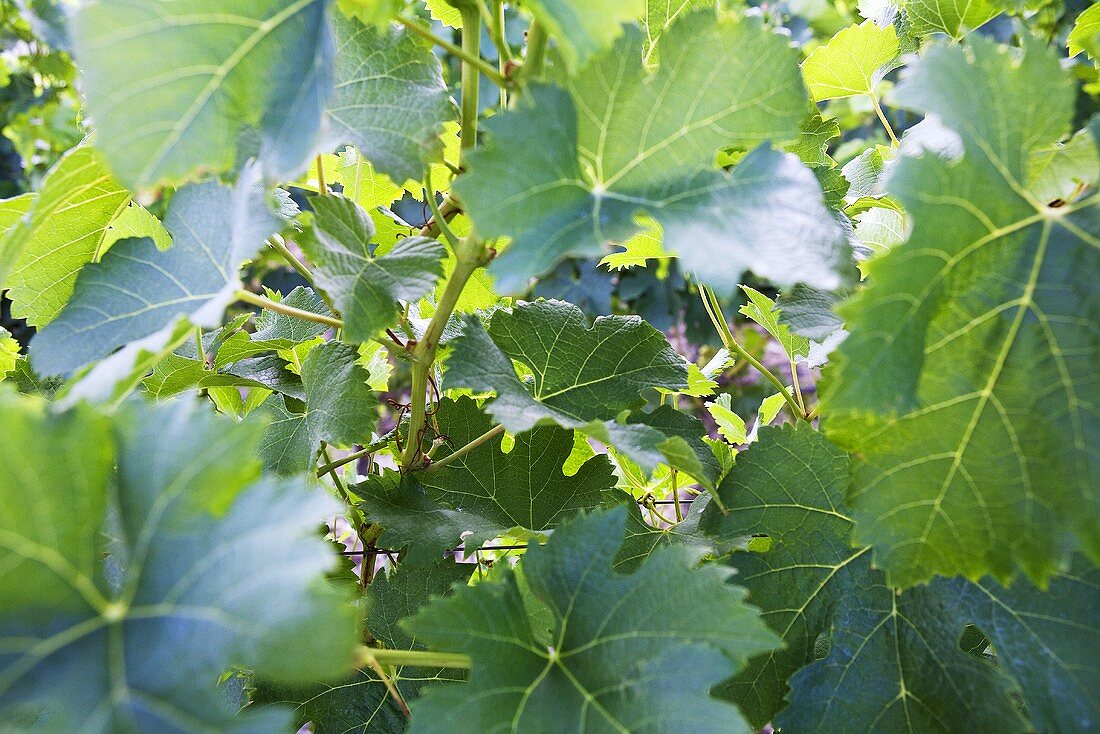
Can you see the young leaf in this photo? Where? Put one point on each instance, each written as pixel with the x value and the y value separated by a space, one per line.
pixel 366 287
pixel 730 425
pixel 851 63
pixel 947 16
pixel 12 212
pixel 390 100
pixel 622 656
pixel 137 290
pixel 172 599
pixel 209 71
pixel 275 331
pixel 763 311
pixel 893 662
pixel 647 142
pixel 339 409
pixel 582 372
pixel 1085 35
pixel 490 492
pixel 65 229
pixel 957 387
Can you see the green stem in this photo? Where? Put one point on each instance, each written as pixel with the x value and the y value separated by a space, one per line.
pixel 469 256
pixel 883 120
pixel 367 656
pixel 535 60
pixel 437 215
pixel 276 243
pixel 675 496
pixel 714 310
pixel 267 303
pixel 471 46
pixel 450 458
pixel 473 60
pixel 797 387
pixel 200 353
pixel 365 451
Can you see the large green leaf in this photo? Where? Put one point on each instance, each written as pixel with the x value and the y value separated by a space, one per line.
pixel 12 212
pixel 487 491
pixel 339 408
pixel 950 17
pixel 622 657
pixel 138 291
pixel 67 228
pixel 390 100
pixel 581 372
pixel 366 287
pixel 893 662
pixel 619 141
pixel 968 386
pixel 126 596
pixel 173 86
pixel 584 28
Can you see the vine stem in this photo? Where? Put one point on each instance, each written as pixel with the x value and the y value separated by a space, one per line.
pixel 365 451
pixel 370 656
pixel 472 60
pixel 714 310
pixel 450 458
pixel 469 256
pixel 471 47
pixel 883 120
pixel 394 693
pixel 270 305
pixel 276 243
pixel 535 59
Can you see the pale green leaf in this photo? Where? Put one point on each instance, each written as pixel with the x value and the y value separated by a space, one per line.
pixel 137 290
pixel 950 17
pixel 584 28
pixel 12 212
pixel 852 62
pixel 764 312
pixel 141 576
pixel 172 86
pixel 9 352
pixel 730 425
pixel 1085 35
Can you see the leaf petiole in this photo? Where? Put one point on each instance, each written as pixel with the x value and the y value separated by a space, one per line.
pixel 266 303
pixel 483 66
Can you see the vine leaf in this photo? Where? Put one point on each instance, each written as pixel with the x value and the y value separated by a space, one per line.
pixel 987 465
pixel 618 141
pixel 133 634
pixel 12 212
pixel 764 312
pixel 945 16
pixel 200 60
pixel 366 287
pixel 580 372
pixel 138 291
pixel 1085 35
pixel 487 492
pixel 390 100
pixel 894 664
pixel 339 408
pixel 852 62
pixel 584 28
pixel 622 656
pixel 66 228
pixel 275 331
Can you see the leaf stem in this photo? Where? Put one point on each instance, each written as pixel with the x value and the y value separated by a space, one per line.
pixel 883 120
pixel 276 243
pixel 321 187
pixel 483 66
pixel 797 387
pixel 270 305
pixel 437 215
pixel 714 310
pixel 355 456
pixel 369 656
pixel 394 693
pixel 535 59
pixel 458 454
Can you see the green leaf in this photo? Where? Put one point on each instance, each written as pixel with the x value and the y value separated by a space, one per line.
pixel 390 100
pixel 12 212
pixel 584 28
pixel 445 13
pixel 946 16
pixel 811 313
pixel 1062 171
pixel 132 634
pixel 66 228
pixel 622 655
pixel 893 663
pixel 730 425
pixel 339 408
pixel 660 15
pixel 582 373
pixel 1043 639
pixel 210 70
pixel 138 291
pixel 958 387
pixel 647 143
pixel 764 312
pixel 851 63
pixel 812 144
pixel 274 331
pixel 487 491
pixel 1085 35
pixel 366 287
pixel 9 352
